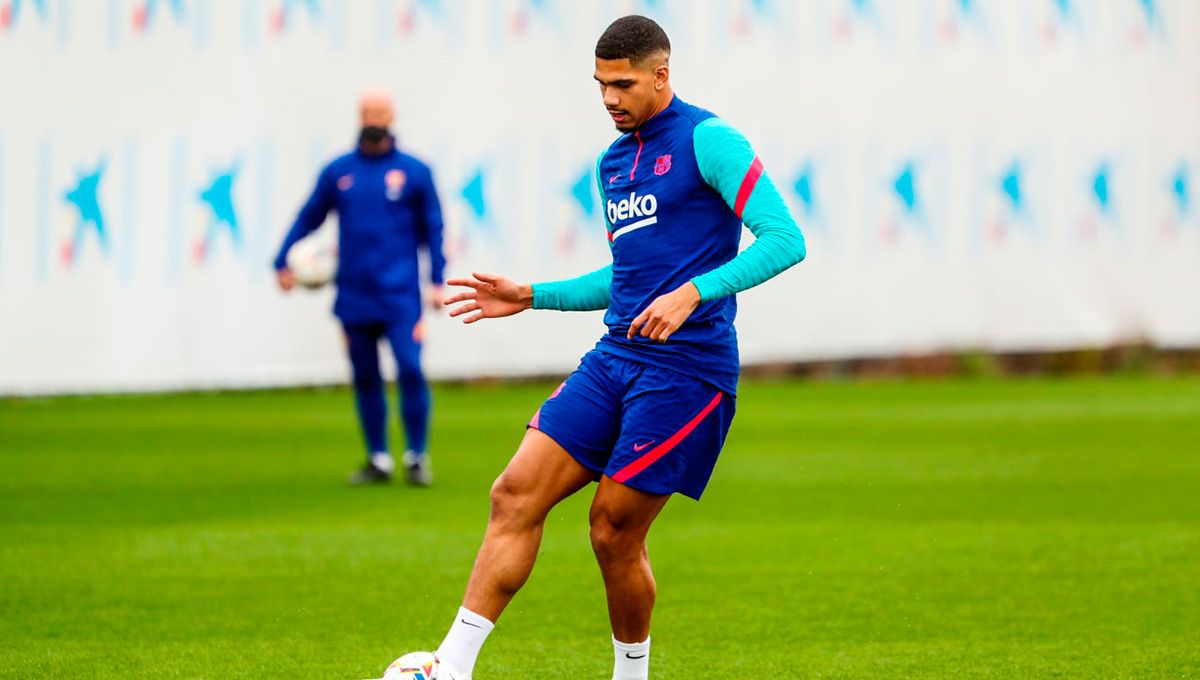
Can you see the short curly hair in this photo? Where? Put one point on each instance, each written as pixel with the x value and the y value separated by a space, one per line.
pixel 633 37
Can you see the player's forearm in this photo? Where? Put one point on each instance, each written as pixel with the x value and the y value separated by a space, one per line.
pixel 775 249
pixel 298 231
pixel 778 245
pixel 437 256
pixel 312 216
pixel 581 294
pixel 431 233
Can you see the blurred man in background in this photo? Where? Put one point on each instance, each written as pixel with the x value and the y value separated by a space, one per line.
pixel 387 210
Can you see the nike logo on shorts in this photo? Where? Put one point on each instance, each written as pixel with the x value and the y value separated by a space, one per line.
pixel 637 448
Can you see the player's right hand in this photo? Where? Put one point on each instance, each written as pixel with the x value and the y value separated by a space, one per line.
pixel 489 296
pixel 285 278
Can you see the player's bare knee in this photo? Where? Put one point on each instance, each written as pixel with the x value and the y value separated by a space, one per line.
pixel 613 540
pixel 503 497
pixel 509 502
pixel 603 540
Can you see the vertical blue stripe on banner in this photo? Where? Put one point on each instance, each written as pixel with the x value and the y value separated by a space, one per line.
pixel 42 225
pixel 385 21
pixel 114 23
pixel 200 23
pixel 261 232
pixel 336 20
pixel 64 16
pixel 175 225
pixel 250 20
pixel 129 208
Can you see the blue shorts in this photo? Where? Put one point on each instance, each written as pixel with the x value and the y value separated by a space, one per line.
pixel 649 428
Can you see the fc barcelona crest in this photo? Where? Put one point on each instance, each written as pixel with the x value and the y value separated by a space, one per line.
pixel 394 180
pixel 662 165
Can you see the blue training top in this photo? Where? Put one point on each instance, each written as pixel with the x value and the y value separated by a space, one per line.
pixel 676 193
pixel 387 208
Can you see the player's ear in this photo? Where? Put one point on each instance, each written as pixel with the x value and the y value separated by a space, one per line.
pixel 662 75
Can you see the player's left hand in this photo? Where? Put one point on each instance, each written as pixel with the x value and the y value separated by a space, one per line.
pixel 435 298
pixel 666 314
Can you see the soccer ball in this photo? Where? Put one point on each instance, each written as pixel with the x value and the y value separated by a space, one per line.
pixel 418 666
pixel 313 261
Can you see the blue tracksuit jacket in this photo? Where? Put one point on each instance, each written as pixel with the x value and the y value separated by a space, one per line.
pixel 387 210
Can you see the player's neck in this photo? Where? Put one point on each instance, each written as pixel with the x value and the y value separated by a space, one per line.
pixel 661 103
pixel 380 148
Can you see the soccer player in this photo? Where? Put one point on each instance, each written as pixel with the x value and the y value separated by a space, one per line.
pixel 387 210
pixel 646 412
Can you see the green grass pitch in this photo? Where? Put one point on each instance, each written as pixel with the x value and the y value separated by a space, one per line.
pixel 998 529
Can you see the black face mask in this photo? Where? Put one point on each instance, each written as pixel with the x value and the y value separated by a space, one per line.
pixel 372 135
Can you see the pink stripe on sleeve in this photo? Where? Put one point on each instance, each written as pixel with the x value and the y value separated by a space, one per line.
pixel 748 184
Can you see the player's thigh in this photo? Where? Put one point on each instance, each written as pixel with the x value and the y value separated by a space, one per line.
pixel 540 474
pixel 406 346
pixel 583 416
pixel 360 336
pixel 362 346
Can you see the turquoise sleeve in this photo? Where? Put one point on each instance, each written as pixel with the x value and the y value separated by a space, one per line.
pixel 728 164
pixel 583 293
pixel 603 199
pixel 580 294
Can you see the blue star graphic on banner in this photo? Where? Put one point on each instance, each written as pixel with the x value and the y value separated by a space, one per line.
pixel 1179 188
pixel 582 192
pixel 804 190
pixel 85 198
pixel 905 187
pixel 218 196
pixel 472 193
pixel 1010 185
pixel 1100 188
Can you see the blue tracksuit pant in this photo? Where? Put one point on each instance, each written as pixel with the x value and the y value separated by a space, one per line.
pixel 362 341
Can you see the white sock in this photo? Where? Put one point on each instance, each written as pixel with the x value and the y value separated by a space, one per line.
pixel 632 660
pixel 383 461
pixel 463 642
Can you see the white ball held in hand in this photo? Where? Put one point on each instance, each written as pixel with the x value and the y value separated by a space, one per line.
pixel 313 262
